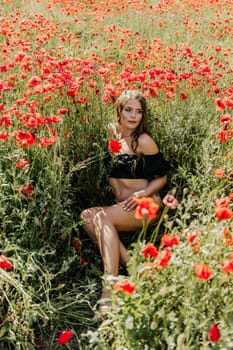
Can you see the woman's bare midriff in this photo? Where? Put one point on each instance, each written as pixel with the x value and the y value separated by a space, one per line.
pixel 123 188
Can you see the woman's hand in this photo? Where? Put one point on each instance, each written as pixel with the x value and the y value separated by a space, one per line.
pixel 129 204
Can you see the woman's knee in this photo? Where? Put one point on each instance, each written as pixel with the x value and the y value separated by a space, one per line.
pixel 87 215
pixel 99 218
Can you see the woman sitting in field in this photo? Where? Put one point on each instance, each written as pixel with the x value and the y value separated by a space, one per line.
pixel 137 170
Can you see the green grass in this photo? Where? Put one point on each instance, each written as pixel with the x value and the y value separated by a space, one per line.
pixel 85 54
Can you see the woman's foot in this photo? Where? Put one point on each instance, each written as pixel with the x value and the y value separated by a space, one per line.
pixel 103 306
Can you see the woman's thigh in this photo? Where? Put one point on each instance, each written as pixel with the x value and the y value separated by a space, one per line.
pixel 121 219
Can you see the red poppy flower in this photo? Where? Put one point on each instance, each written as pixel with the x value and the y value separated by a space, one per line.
pixel 22 164
pixel 219 173
pixel 183 96
pixel 170 201
pixel 227 265
pixel 192 235
pixel 65 336
pixel 222 136
pixel 164 257
pixel 4 136
pixel 27 191
pixel 82 260
pixel 75 244
pixel 149 250
pixel 223 213
pixel 5 120
pixel 225 119
pixel 202 271
pixel 125 286
pixel 25 138
pixel 114 146
pixel 63 111
pixel 169 240
pixel 35 80
pixel 46 141
pixel 214 334
pixel 220 104
pixel 5 263
pixel 145 206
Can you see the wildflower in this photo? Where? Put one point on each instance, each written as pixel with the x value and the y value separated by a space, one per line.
pixel 65 336
pixel 82 260
pixel 5 120
pixel 222 136
pixel 169 240
pixel 27 191
pixel 170 201
pixel 164 257
pixel 225 119
pixel 145 206
pixel 228 238
pixel 220 104
pixel 227 265
pixel 214 334
pixel 5 263
pixel 4 136
pixel 24 138
pixel 202 271
pixel 227 232
pixel 125 286
pixel 183 96
pixel 222 202
pixel 149 250
pixel 192 235
pixel 105 98
pixel 53 119
pixel 170 94
pixel 35 80
pixel 75 244
pixel 46 141
pixel 114 146
pixel 22 164
pixel 196 246
pixel 223 213
pixel 63 111
pixel 219 173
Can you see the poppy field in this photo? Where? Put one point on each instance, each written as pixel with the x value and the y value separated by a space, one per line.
pixel 63 63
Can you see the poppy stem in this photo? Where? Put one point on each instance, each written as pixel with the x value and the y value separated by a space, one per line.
pixel 156 230
pixel 143 230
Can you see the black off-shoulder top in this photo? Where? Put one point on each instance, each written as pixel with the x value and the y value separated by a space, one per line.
pixel 136 166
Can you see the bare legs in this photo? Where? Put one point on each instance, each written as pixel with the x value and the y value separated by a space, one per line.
pixel 99 227
pixel 102 225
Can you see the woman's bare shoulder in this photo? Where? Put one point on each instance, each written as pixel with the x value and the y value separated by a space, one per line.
pixel 146 145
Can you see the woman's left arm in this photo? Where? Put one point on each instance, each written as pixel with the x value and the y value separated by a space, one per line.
pixel 153 187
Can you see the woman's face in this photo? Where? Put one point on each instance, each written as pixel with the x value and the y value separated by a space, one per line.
pixel 131 115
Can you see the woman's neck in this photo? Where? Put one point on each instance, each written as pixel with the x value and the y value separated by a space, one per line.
pixel 123 133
